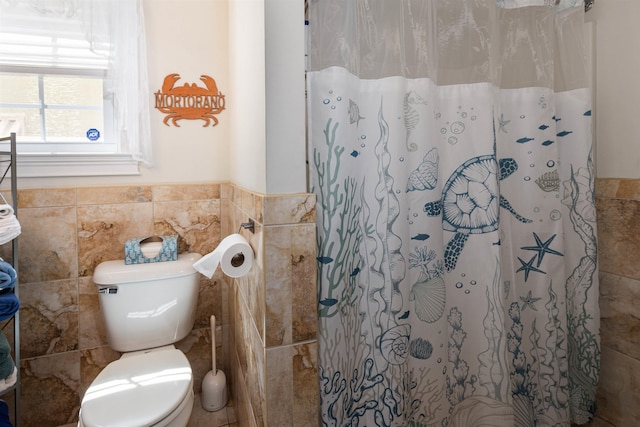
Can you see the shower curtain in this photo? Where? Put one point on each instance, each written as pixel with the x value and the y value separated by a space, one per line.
pixel 450 153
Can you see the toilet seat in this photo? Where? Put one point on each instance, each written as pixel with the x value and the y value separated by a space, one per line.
pixel 140 389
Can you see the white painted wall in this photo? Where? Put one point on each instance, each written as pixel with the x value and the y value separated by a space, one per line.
pixel 616 24
pixel 254 49
pixel 247 72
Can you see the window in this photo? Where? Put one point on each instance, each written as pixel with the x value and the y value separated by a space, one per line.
pixel 73 86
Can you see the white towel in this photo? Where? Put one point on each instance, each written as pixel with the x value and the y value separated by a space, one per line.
pixel 9 229
pixel 6 211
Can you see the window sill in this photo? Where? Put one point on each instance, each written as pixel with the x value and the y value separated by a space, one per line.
pixel 49 165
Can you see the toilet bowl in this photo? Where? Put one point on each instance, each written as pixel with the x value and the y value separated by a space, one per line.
pixel 145 388
pixel 146 308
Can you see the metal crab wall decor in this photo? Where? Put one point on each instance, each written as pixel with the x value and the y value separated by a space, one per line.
pixel 189 101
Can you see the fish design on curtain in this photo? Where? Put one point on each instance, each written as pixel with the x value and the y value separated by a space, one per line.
pixel 433 311
pixel 456 229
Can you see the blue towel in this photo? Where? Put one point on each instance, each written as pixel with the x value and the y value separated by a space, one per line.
pixel 4 415
pixel 7 365
pixel 9 304
pixel 8 275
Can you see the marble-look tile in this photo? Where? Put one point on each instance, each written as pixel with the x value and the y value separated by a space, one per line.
pixel 47 244
pixel 49 317
pixel 278 282
pixel 290 284
pixel 251 358
pixel 201 417
pixel 196 222
pixel 305 384
pixel 226 191
pixel 167 193
pixel 618 231
pixel 280 399
pixel 618 397
pixel 304 312
pixel 92 362
pixel 104 229
pixel 50 197
pixel 606 187
pixel 292 382
pixel 91 327
pixel 111 195
pixel 50 390
pixel 292 209
pixel 212 300
pixel 197 347
pixel 620 314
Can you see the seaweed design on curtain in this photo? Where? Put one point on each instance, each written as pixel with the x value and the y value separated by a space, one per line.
pixel 370 302
pixel 400 343
pixel 584 345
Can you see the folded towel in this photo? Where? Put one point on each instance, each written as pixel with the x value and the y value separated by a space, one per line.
pixel 7 366
pixel 8 275
pixel 9 304
pixel 9 229
pixel 5 210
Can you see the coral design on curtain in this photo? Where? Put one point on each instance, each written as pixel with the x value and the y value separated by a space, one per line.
pixel 450 152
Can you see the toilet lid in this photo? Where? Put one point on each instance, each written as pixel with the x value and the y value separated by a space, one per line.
pixel 137 390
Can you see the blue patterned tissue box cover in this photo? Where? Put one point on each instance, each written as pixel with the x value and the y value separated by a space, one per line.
pixel 168 250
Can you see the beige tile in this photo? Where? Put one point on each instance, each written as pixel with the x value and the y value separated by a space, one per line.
pixel 618 228
pixel 305 384
pixel 607 187
pixel 618 397
pixel 203 418
pixel 196 222
pixel 628 189
pixel 92 362
pixel 303 288
pixel 47 244
pixel 104 229
pixel 44 377
pixel 91 328
pixel 110 195
pixel 49 318
pixel 165 193
pixel 50 197
pixel 197 347
pixel 620 314
pixel 280 400
pixel 290 209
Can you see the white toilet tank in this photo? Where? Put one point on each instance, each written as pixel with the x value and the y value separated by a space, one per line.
pixel 147 305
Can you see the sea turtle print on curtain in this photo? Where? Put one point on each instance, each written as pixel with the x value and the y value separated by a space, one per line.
pixel 456 241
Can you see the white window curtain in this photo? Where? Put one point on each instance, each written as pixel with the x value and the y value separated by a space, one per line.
pixel 103 36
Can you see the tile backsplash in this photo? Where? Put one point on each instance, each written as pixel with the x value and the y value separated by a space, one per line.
pixel 265 321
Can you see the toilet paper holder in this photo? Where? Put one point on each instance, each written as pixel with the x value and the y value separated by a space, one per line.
pixel 248 226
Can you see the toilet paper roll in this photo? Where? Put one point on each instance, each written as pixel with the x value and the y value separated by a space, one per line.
pixel 234 256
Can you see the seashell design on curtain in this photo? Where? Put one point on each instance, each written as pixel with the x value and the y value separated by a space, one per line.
pixel 451 154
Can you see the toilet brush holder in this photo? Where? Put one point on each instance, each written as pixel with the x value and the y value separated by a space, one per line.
pixel 214 383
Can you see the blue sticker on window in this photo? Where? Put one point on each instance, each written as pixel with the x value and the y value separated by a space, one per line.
pixel 93 134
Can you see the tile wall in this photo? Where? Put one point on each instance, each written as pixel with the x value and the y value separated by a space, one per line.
pixel 266 320
pixel 274 345
pixel 67 232
pixel 618 210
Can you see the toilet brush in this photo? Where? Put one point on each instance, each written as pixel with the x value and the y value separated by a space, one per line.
pixel 214 384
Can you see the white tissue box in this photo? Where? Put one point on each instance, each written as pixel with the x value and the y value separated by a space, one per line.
pixel 143 250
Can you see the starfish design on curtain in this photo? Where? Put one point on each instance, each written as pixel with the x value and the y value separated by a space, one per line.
pixel 528 301
pixel 542 248
pixel 527 267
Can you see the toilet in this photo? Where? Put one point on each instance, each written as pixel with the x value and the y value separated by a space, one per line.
pixel 146 308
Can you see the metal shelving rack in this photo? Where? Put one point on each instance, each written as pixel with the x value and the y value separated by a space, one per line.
pixel 8 161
